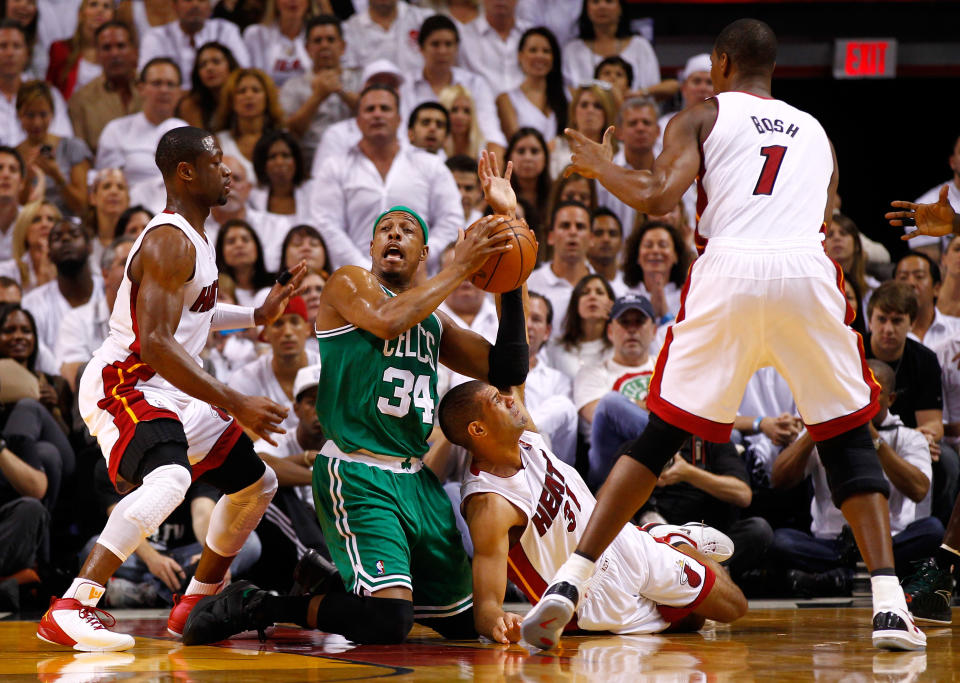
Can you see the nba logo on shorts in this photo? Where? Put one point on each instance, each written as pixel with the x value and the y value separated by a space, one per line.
pixel 380 568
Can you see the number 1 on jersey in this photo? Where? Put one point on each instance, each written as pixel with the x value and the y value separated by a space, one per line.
pixel 773 157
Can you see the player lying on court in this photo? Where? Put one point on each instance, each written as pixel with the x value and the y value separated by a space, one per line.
pixel 526 510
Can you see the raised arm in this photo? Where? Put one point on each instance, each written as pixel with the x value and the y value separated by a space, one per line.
pixel 162 267
pixel 659 190
pixel 490 518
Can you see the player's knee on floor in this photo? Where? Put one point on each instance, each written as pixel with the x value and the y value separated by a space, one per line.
pixel 656 445
pixel 457 627
pixel 852 465
pixel 366 620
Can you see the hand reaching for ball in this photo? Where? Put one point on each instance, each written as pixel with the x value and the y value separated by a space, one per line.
pixel 497 190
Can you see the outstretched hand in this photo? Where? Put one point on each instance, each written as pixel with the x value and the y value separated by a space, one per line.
pixel 937 219
pixel 496 189
pixel 587 158
pixel 276 301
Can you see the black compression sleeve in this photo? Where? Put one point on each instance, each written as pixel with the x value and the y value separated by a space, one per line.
pixel 510 357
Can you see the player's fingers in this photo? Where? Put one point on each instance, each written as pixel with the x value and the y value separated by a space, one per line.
pixel 509 171
pixel 608 136
pixel 900 204
pixel 483 167
pixel 944 192
pixel 575 136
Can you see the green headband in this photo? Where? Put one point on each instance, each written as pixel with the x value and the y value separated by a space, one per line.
pixel 408 210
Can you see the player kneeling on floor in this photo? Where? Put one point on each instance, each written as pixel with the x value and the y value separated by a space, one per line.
pixel 526 510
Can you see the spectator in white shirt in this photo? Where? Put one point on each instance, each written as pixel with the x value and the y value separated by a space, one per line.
pixel 76 283
pixel 582 339
pixel 240 257
pixel 12 179
pixel 490 45
pixel 13 60
pixel 85 327
pixel 179 40
pixel 277 43
pixel 377 173
pixel 611 396
pixel 569 236
pixel 439 43
pixel 559 16
pixel 606 240
pixel 655 263
pixel 130 142
pixel 593 109
pixel 427 127
pixel 328 93
pixel 386 30
pixel 948 300
pixel 695 86
pixel 30 266
pixel 464 170
pixel 605 31
pixel 273 373
pixel 931 327
pixel 547 391
pixel 281 176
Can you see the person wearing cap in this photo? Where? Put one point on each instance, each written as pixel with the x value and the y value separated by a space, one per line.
pixel 328 94
pixel 695 86
pixel 610 395
pixel 289 527
pixel 339 137
pixel 273 374
pixel 439 42
pixel 386 30
pixel 376 173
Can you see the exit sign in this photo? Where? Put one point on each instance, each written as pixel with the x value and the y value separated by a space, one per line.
pixel 865 58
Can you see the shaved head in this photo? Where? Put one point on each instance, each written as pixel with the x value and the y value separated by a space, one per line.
pixel 750 45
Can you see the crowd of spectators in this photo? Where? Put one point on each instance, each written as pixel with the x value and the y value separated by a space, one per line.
pixel 328 112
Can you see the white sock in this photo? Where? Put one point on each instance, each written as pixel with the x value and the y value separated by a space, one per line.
pixel 577 570
pixel 196 587
pixel 887 594
pixel 86 591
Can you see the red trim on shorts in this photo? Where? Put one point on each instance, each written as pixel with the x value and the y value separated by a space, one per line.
pixel 126 403
pixel 220 450
pixel 708 430
pixel 528 579
pixel 675 614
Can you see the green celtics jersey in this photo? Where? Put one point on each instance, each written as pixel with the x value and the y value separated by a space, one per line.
pixel 377 395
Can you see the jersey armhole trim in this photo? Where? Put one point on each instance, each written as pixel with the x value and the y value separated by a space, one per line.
pixel 335 332
pixel 130 258
pixel 484 491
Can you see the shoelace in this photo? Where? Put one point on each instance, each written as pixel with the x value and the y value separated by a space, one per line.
pixel 91 616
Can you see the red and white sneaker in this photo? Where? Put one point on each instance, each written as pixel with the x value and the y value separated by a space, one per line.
pixel 182 606
pixel 70 623
pixel 713 543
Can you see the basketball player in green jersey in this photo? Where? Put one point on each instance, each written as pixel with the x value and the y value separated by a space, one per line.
pixel 387 522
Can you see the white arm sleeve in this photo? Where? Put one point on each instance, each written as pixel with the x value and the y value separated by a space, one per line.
pixel 231 317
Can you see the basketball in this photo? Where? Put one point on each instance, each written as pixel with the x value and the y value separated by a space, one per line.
pixel 508 270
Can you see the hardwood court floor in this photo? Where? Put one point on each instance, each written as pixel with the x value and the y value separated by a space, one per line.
pixel 821 644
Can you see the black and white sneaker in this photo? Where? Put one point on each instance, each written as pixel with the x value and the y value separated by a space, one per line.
pixel 545 622
pixel 235 609
pixel 894 630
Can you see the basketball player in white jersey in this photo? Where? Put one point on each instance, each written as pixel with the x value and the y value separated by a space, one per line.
pixel 527 509
pixel 763 294
pixel 159 418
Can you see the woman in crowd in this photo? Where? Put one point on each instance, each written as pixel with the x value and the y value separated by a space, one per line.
pixel 249 107
pixel 277 44
pixel 573 188
pixel 531 177
pixel 109 198
pixel 655 263
pixel 592 111
pixel 133 221
pixel 584 339
pixel 31 265
pixel 843 245
pixel 25 13
pixel 305 243
pixel 213 65
pixel 604 32
pixel 310 290
pixel 539 101
pixel 855 300
pixel 73 62
pixel 60 163
pixel 465 136
pixel 278 163
pixel 48 422
pixel 143 15
pixel 240 256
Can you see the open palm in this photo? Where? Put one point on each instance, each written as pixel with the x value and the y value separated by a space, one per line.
pixel 496 189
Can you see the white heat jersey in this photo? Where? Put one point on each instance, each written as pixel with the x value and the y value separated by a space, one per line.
pixel 766 168
pixel 196 315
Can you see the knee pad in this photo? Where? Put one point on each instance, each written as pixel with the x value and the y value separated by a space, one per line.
pixel 237 514
pixel 851 464
pixel 140 513
pixel 366 620
pixel 656 445
pixel 457 627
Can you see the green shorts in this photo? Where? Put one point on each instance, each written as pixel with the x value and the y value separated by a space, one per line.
pixel 386 529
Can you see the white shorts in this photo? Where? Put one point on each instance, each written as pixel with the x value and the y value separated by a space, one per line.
pixel 642 585
pixel 748 305
pixel 113 400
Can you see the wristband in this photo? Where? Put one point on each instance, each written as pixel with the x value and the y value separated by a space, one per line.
pixel 876 444
pixel 232 317
pixel 756 424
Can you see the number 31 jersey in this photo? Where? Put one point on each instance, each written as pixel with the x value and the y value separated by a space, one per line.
pixel 766 169
pixel 378 395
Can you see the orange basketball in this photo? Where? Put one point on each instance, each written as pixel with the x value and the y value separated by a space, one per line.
pixel 508 270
